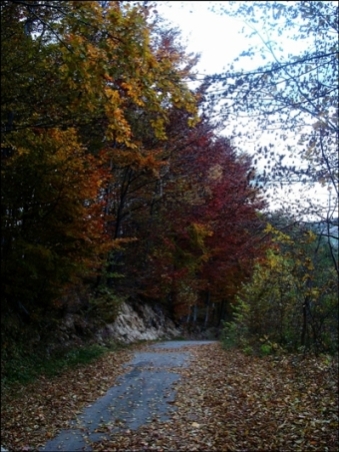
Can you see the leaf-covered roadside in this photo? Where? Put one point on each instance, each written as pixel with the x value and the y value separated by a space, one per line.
pixel 227 401
pixel 32 414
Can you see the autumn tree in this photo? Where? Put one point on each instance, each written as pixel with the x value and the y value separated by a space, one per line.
pixel 52 223
pixel 75 77
pixel 204 224
pixel 137 171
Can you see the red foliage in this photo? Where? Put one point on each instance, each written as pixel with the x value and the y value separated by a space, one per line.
pixel 205 236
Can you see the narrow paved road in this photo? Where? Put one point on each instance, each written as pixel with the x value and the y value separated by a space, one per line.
pixel 141 394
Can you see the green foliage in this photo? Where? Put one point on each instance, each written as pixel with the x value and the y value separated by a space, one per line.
pixel 234 333
pixel 247 350
pixel 266 349
pixel 105 304
pixel 105 300
pixel 291 301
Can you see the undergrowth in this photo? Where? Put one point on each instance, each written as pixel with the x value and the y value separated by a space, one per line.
pixel 24 367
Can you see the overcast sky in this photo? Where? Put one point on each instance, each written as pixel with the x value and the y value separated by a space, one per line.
pixel 219 40
pixel 215 36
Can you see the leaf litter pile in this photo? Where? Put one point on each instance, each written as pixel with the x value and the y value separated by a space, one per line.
pixel 225 401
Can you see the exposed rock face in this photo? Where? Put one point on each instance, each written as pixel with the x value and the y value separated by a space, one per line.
pixel 135 322
pixel 139 322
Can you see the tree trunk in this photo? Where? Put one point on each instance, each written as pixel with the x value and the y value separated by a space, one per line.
pixel 222 312
pixel 207 308
pixel 304 324
pixel 188 315
pixel 195 313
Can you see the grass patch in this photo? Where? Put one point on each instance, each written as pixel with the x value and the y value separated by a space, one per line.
pixel 72 358
pixel 23 367
pixel 179 338
pixel 26 367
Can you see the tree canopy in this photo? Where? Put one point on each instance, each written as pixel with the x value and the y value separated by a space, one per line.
pixel 115 181
pixel 110 178
pixel 75 78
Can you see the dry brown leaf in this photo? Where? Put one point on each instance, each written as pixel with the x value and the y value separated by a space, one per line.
pixel 225 401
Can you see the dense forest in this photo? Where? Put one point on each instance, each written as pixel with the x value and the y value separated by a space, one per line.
pixel 117 185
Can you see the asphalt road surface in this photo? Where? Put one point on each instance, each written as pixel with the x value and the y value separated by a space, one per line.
pixel 140 395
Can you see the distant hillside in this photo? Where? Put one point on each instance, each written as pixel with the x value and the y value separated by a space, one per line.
pixel 326 229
